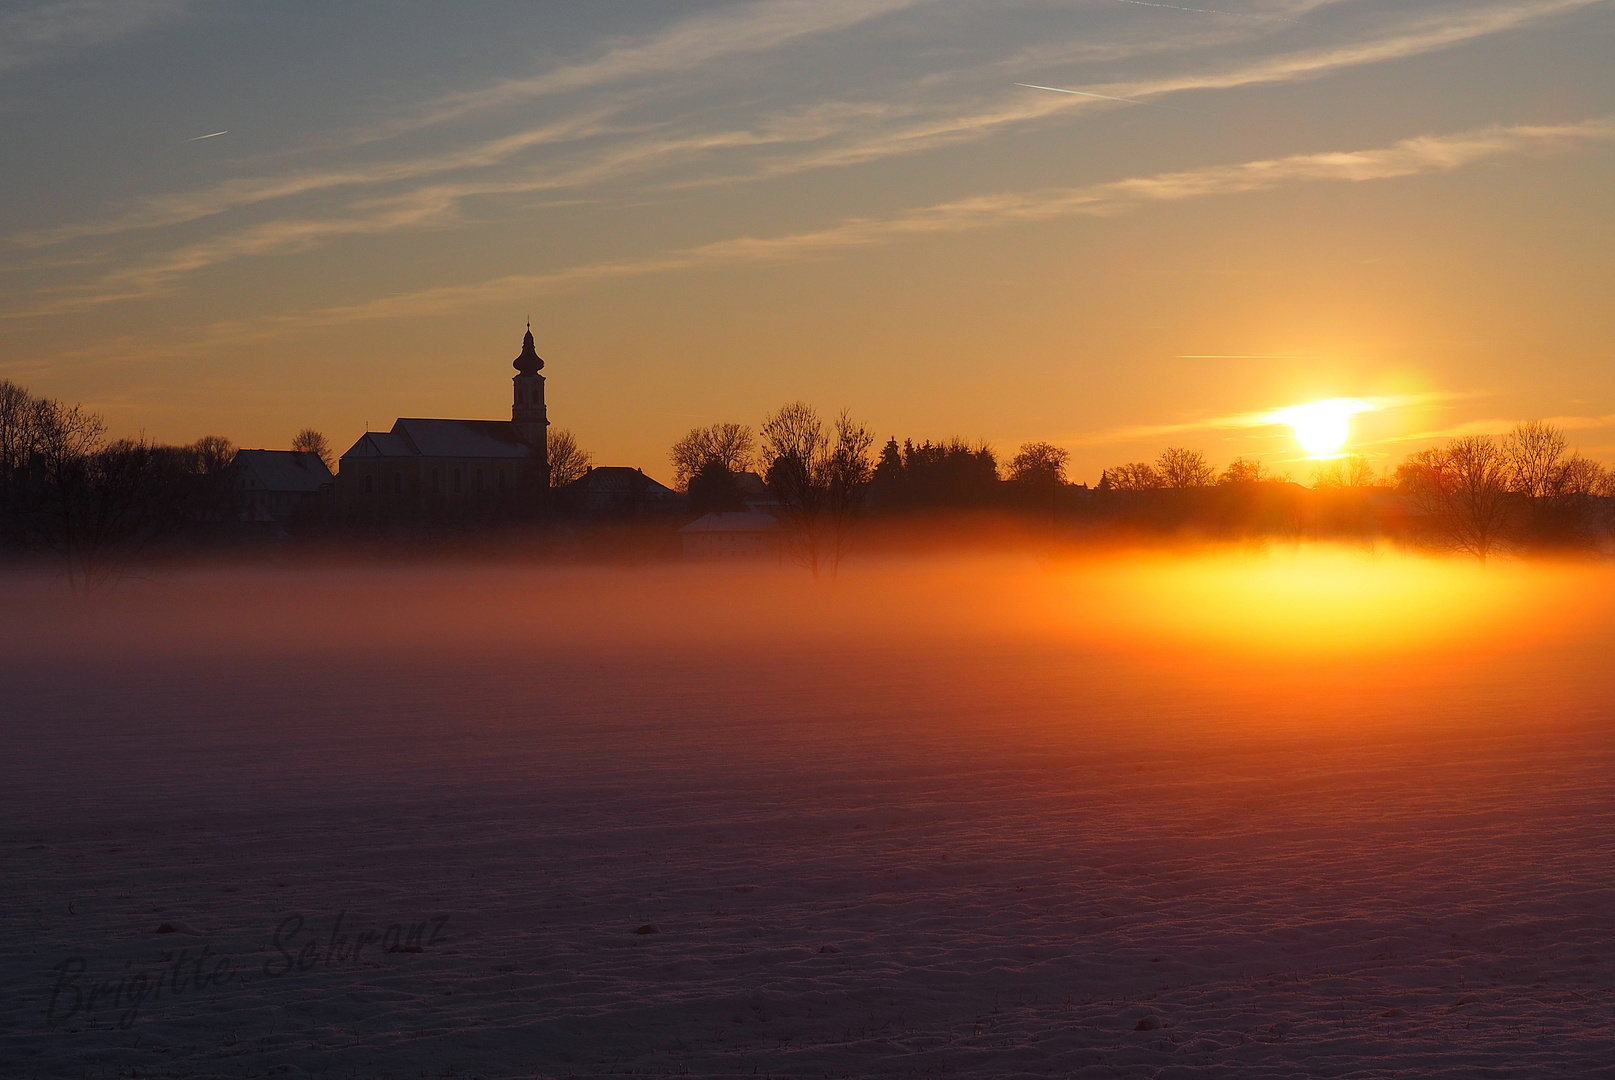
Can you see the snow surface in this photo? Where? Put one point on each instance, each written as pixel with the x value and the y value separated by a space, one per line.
pixel 878 829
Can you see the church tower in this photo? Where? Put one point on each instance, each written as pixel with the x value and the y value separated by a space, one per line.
pixel 528 412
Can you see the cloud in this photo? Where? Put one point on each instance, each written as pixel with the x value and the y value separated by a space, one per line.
pixel 841 134
pixel 44 32
pixel 1261 418
pixel 1423 35
pixel 1423 155
pixel 753 28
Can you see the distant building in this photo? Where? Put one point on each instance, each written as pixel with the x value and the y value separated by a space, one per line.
pixel 425 468
pixel 742 535
pixel 274 486
pixel 616 491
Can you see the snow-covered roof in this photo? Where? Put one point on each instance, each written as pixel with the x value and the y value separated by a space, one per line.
pixel 736 522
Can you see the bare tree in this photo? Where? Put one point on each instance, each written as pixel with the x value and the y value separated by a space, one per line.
pixel 64 439
pixel 733 446
pixel 1463 491
pixel 1242 471
pixel 1040 462
pixel 309 441
pixel 797 450
pixel 16 440
pixel 1346 471
pixel 848 473
pixel 568 463
pixel 1136 476
pixel 1179 468
pixel 1533 453
pixel 212 461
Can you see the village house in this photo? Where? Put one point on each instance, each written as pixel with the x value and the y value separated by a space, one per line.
pixel 272 487
pixel 745 534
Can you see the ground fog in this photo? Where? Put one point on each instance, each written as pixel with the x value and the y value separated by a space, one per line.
pixel 1253 811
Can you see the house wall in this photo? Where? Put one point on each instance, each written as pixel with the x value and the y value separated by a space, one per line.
pixel 730 545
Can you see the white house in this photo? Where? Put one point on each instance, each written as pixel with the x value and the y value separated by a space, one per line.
pixel 743 535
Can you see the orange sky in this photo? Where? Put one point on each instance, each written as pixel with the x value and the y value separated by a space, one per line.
pixel 708 209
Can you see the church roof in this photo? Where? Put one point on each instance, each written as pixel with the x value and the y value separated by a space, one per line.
pixel 426 437
pixel 463 438
pixel 283 470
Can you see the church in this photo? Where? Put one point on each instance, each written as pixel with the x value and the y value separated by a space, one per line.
pixel 454 469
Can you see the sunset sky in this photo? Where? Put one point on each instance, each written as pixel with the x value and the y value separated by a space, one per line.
pixel 710 208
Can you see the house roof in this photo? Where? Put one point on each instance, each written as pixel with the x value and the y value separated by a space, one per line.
pixel 738 522
pixel 423 437
pixel 284 470
pixel 613 479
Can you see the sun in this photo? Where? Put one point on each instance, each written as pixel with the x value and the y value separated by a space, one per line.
pixel 1321 427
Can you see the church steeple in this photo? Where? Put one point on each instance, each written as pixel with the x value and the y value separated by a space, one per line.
pixel 529 362
pixel 527 410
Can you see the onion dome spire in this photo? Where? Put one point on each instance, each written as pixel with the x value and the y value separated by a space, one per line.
pixel 529 362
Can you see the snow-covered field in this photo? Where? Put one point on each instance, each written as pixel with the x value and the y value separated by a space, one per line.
pixel 1155 817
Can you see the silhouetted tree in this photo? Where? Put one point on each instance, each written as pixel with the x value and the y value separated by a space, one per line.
pixel 309 441
pixel 731 445
pixel 1346 471
pixel 16 445
pixel 1039 462
pixel 1561 489
pixel 797 451
pixel 1242 471
pixel 1136 476
pixel 210 461
pixel 1180 469
pixel 1533 453
pixel 848 474
pixel 954 473
pixel 714 489
pixel 1462 490
pixel 568 462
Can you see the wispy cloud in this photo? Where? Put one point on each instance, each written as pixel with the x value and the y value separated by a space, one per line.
pixel 39 33
pixel 753 28
pixel 1261 418
pixel 1411 157
pixel 948 109
pixel 841 134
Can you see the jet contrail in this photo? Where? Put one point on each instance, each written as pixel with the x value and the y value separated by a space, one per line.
pixel 200 137
pixel 1084 93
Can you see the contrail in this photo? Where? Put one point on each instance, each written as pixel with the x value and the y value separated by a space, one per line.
pixel 1208 11
pixel 1084 93
pixel 200 137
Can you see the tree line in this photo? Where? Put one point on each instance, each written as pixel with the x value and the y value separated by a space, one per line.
pixel 820 474
pixel 96 504
pixel 1476 494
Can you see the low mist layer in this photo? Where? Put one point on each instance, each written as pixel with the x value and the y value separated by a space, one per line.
pixel 1245 809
